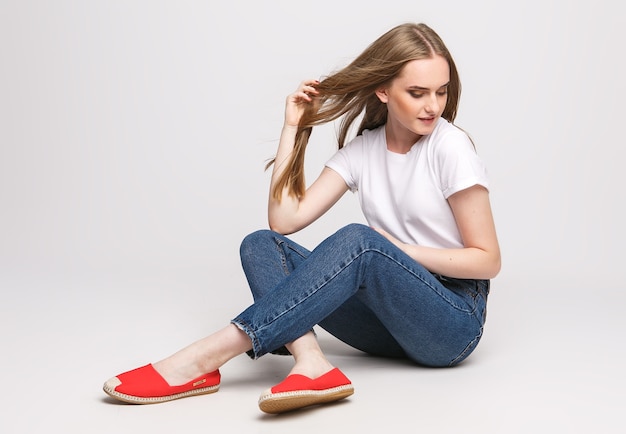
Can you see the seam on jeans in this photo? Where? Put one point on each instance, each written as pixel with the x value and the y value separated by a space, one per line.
pixel 433 288
pixel 314 291
pixel 475 293
pixel 344 266
pixel 281 251
pixel 471 346
pixel 468 309
pixel 467 350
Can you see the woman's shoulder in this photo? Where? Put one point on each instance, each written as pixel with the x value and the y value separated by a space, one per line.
pixel 446 128
pixel 367 140
pixel 375 133
pixel 373 137
pixel 447 135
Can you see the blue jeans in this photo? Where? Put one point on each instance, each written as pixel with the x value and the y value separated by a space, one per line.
pixel 362 289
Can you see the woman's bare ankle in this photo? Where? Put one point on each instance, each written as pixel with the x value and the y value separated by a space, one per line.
pixel 309 358
pixel 310 368
pixel 203 356
pixel 180 368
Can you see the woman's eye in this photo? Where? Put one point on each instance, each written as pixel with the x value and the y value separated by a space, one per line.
pixel 419 95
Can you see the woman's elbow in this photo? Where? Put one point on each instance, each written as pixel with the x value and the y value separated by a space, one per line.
pixel 493 267
pixel 281 227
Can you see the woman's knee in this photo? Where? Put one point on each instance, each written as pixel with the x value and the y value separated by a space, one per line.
pixel 252 242
pixel 361 235
pixel 356 231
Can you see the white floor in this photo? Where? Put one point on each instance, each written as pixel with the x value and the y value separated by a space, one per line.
pixel 545 365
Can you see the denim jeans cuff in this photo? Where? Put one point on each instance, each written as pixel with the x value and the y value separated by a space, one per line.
pixel 282 351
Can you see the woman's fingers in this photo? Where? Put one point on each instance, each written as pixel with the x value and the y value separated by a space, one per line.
pixel 296 101
pixel 308 88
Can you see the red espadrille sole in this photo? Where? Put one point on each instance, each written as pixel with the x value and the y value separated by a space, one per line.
pixel 298 391
pixel 146 386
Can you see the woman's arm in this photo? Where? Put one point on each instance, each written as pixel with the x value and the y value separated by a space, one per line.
pixel 480 258
pixel 289 213
pixel 293 214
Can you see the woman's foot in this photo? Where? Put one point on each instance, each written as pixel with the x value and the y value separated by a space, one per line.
pixel 311 368
pixel 313 380
pixel 195 367
pixel 299 391
pixel 310 361
pixel 146 386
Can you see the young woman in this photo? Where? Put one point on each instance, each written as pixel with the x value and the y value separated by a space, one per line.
pixel 412 284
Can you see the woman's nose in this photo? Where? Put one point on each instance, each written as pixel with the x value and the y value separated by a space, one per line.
pixel 432 105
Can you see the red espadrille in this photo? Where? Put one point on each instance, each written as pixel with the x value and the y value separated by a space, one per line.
pixel 298 391
pixel 146 386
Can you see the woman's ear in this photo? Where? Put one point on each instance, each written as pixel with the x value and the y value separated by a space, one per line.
pixel 381 93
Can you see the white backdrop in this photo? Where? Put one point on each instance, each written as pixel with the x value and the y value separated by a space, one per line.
pixel 133 136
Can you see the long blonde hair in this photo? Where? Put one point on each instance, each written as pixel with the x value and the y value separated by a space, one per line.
pixel 350 92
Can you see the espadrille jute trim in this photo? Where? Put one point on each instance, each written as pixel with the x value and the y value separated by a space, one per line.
pixel 287 401
pixel 298 391
pixel 155 400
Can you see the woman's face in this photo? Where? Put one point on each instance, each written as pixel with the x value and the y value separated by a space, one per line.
pixel 417 97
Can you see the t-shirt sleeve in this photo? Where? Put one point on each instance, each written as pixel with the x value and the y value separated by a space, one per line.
pixel 458 164
pixel 345 163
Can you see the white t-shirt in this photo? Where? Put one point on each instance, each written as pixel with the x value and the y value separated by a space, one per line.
pixel 406 194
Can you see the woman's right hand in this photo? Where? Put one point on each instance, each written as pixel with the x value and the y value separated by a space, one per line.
pixel 297 102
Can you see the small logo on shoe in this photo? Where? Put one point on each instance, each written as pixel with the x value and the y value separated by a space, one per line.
pixel 197 383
